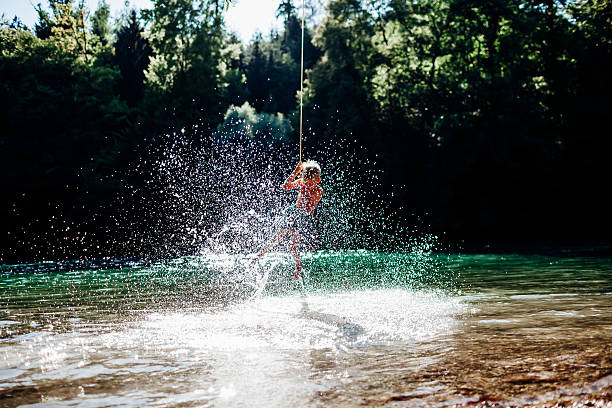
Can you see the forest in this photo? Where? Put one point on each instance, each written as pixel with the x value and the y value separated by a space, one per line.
pixel 489 119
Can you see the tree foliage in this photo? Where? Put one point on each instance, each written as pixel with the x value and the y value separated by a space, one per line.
pixel 489 116
pixel 132 55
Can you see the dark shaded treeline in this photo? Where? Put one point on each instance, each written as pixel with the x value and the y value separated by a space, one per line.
pixel 489 118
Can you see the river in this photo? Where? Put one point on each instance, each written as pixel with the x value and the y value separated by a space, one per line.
pixel 372 329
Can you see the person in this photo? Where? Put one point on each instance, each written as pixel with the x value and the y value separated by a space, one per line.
pixel 297 219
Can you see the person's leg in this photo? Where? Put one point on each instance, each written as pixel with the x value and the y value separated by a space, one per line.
pixel 293 246
pixel 276 239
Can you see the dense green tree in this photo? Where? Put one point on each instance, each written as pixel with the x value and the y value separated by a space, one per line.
pixel 186 38
pixel 42 28
pixel 132 54
pixel 243 121
pixel 273 65
pixel 285 9
pixel 491 115
pixel 65 26
pixel 336 85
pixel 100 24
pixel 257 79
pixel 62 118
pixel 450 80
pixel 232 80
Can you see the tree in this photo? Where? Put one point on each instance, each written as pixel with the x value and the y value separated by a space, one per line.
pixel 100 26
pixel 132 54
pixel 336 83
pixel 42 28
pixel 176 27
pixel 186 37
pixel 257 79
pixel 285 10
pixel 65 131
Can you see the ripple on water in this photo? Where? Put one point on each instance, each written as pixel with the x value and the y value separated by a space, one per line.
pixel 161 335
pixel 267 339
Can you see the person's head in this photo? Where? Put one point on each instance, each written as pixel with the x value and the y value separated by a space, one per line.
pixel 311 171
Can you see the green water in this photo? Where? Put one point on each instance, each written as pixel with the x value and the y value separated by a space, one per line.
pixel 371 329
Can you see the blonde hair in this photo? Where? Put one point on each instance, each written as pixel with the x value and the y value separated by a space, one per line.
pixel 311 169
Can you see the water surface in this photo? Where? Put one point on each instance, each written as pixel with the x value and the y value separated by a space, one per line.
pixel 372 329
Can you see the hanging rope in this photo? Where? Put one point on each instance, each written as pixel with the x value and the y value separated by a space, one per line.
pixel 302 77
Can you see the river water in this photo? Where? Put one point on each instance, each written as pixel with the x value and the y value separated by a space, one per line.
pixel 368 329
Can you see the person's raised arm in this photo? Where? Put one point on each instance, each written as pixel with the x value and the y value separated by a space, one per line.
pixel 290 183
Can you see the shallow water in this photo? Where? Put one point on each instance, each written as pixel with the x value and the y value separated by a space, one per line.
pixel 372 329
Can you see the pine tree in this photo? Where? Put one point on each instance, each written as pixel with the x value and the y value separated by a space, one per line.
pixel 132 54
pixel 101 28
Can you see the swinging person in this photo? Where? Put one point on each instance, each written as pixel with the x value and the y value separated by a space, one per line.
pixel 297 221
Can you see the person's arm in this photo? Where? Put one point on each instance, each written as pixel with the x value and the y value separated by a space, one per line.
pixel 290 183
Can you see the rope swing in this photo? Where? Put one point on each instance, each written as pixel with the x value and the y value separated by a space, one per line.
pixel 302 77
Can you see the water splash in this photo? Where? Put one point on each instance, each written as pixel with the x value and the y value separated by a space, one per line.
pixel 197 192
pixel 215 194
pixel 221 194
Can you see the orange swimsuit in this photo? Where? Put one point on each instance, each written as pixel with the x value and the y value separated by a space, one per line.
pixel 308 196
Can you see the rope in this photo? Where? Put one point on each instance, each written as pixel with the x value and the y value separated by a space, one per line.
pixel 302 78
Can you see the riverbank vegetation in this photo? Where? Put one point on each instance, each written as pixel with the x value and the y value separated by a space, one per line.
pixel 489 119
